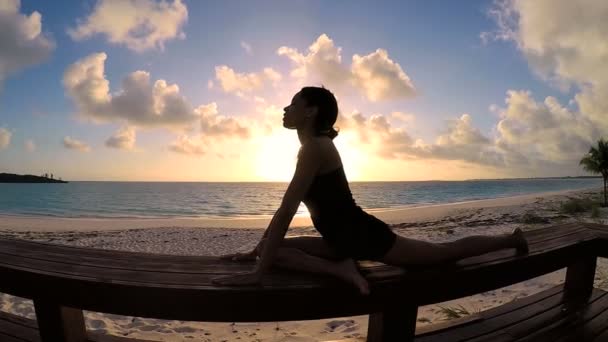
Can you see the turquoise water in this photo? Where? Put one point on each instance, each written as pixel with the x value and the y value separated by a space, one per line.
pixel 154 199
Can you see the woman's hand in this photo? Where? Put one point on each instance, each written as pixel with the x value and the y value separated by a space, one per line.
pixel 249 256
pixel 248 278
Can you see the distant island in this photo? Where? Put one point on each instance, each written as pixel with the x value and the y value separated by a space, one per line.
pixel 13 178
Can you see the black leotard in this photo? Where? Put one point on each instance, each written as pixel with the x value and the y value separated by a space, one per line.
pixel 347 229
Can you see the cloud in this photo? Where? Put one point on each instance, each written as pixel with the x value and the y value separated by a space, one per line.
pixel 74 144
pixel 143 104
pixel 459 141
pixel 5 138
pixel 30 146
pixel 375 75
pixel 247 47
pixel 323 62
pixel 233 82
pixel 381 78
pixel 564 42
pixel 214 125
pixel 123 139
pixel 377 132
pixel 139 103
pixel 188 145
pixel 546 131
pixel 142 24
pixel 22 42
pixel 402 117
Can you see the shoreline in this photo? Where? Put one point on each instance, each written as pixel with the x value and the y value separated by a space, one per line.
pixel 394 215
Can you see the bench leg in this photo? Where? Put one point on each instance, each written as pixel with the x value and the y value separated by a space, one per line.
pixel 58 323
pixel 579 280
pixel 394 324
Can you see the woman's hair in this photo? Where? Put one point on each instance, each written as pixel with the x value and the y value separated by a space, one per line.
pixel 327 109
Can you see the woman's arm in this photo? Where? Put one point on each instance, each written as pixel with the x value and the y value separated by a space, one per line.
pixel 306 169
pixel 308 164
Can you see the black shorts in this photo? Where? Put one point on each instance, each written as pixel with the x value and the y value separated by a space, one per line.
pixel 361 236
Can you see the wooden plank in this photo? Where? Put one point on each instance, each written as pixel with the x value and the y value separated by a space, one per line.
pixel 587 326
pixel 544 321
pixel 493 319
pixel 193 291
pixel 431 286
pixel 579 279
pixel 18 328
pixel 18 320
pixel 154 262
pixel 396 323
pixel 525 328
pixel 567 322
pixel 536 248
pixel 603 337
pixel 134 263
pixel 101 337
pixel 10 338
pixel 59 324
pixel 252 295
pixel 507 255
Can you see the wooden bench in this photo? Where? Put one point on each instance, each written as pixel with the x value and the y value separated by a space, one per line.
pixel 63 280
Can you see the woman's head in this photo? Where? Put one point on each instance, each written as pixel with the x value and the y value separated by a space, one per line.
pixel 314 106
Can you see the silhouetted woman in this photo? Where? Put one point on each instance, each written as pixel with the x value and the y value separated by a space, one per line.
pixel 348 233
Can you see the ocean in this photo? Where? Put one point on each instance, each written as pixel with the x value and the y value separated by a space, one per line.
pixel 248 199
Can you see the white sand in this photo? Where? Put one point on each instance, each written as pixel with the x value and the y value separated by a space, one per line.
pixel 219 236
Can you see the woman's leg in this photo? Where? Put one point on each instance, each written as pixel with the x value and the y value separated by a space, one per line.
pixel 312 254
pixel 416 252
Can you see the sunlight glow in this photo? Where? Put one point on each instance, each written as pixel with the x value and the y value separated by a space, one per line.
pixel 276 157
pixel 353 157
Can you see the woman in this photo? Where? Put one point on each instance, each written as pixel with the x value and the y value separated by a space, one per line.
pixel 348 233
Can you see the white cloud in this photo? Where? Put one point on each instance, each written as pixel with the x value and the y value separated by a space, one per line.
pixel 188 145
pixel 322 63
pixel 22 42
pixel 375 75
pixel 234 82
pixel 459 141
pixel 405 118
pixel 5 138
pixel 138 24
pixel 565 43
pixel 380 77
pixel 30 145
pixel 563 40
pixel 74 144
pixel 530 131
pixel 214 125
pixel 123 139
pixel 139 103
pixel 247 47
pixel 376 132
pixel 143 104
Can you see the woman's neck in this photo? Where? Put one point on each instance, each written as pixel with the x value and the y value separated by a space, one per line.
pixel 305 134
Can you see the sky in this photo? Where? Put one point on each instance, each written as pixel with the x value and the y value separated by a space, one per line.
pixel 170 90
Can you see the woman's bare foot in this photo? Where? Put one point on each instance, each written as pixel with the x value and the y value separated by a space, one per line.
pixel 520 241
pixel 350 273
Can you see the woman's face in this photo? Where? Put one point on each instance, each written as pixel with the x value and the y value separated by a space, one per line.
pixel 297 113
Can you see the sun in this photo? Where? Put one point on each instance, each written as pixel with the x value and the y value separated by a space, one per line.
pixel 277 156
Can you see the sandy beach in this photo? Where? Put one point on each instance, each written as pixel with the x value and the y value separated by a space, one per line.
pixel 219 236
